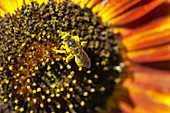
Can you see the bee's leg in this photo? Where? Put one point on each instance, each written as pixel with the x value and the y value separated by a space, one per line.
pixel 76 38
pixel 63 47
pixel 78 62
pixel 83 43
pixel 60 51
pixel 69 57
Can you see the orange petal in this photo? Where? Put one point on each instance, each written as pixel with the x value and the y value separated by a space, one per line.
pixel 8 6
pixel 96 6
pixel 136 12
pixel 92 3
pixel 115 7
pixel 158 14
pixel 149 90
pixel 150 40
pixel 159 79
pixel 154 33
pixel 143 104
pixel 160 53
pixel 2 11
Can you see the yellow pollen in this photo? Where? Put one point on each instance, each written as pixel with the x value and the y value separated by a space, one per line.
pixel 21 68
pixel 74 81
pixel 62 89
pixel 61 67
pixel 34 84
pixel 106 68
pixel 58 106
pixel 102 88
pixel 32 47
pixel 88 72
pixel 1 68
pixel 68 67
pixel 30 56
pixel 52 62
pixel 28 80
pixel 52 86
pixel 69 76
pixel 47 92
pixel 52 95
pixel 47 52
pixel 96 76
pixel 57 95
pixel 41 105
pixel 92 90
pixel 71 106
pixel 9 58
pixel 36 68
pixel 43 63
pixel 48 36
pixel 23 44
pixel 82 103
pixel 71 89
pixel 16 107
pixel 5 100
pixel 57 59
pixel 66 84
pixel 50 74
pixel 72 72
pixel 20 55
pixel 43 97
pixel 48 68
pixel 21 109
pixel 15 87
pixel 44 32
pixel 68 95
pixel 58 90
pixel 10 68
pixel 16 101
pixel 21 93
pixel 28 99
pixel 33 74
pixel 34 100
pixel 97 63
pixel 17 74
pixel 80 68
pixel 48 100
pixel 32 35
pixel 10 94
pixel 39 38
pixel 34 91
pixel 90 81
pixel 103 63
pixel 38 89
pixel 6 81
pixel 85 93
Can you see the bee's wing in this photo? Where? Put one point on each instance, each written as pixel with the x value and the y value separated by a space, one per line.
pixel 83 58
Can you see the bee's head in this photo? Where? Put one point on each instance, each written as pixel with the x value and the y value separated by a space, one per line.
pixel 69 40
pixel 72 43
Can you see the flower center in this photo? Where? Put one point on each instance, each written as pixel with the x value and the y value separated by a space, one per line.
pixel 34 77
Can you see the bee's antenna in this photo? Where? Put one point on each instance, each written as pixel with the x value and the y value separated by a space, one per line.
pixel 67 38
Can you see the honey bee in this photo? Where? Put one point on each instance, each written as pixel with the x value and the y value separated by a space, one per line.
pixel 72 46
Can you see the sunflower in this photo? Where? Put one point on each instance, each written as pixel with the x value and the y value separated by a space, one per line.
pixel 88 56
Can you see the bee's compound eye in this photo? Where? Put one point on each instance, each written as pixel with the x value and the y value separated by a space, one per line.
pixel 71 43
